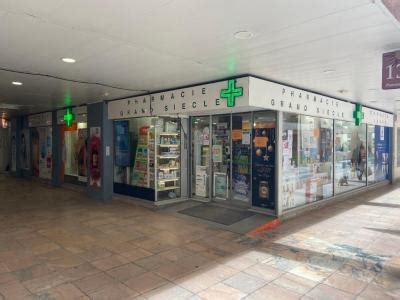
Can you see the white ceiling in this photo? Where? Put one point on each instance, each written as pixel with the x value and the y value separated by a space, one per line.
pixel 151 45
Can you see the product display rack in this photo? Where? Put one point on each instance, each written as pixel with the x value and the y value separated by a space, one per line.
pixel 141 172
pixel 167 158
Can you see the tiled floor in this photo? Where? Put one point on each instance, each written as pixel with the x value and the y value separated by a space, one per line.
pixel 58 244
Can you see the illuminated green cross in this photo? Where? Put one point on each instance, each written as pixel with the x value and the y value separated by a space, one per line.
pixel 358 115
pixel 231 93
pixel 69 117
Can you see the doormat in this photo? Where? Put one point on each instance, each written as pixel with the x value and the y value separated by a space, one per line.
pixel 217 214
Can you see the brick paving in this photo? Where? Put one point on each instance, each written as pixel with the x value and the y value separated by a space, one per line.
pixel 59 244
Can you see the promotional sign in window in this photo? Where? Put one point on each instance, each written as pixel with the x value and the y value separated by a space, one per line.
pixel 95 157
pixel 42 152
pixel 122 153
pixel 382 159
pixel 25 150
pixel 264 165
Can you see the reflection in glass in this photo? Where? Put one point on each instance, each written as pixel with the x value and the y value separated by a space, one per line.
pixel 307 159
pixel 200 156
pixel 350 156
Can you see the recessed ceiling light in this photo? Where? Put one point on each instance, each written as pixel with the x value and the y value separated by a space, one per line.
pixel 16 83
pixel 342 91
pixel 68 60
pixel 243 35
pixel 328 71
pixel 373 101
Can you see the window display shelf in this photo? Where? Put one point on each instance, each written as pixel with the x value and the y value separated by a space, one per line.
pixel 169 145
pixel 168 156
pixel 169 133
pixel 168 168
pixel 169 188
pixel 168 179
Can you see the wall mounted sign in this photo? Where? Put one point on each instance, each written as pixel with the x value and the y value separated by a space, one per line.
pixel 129 108
pixel 79 112
pixel 231 93
pixel 38 120
pixel 69 117
pixel 358 115
pixel 391 70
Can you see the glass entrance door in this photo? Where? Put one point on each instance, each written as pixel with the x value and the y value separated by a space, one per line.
pixel 221 157
pixel 201 157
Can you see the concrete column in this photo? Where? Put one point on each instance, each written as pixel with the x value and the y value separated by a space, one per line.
pixel 97 117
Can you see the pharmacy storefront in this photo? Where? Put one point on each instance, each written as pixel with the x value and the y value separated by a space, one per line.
pixel 247 143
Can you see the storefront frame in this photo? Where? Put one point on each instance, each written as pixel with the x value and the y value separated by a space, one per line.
pixel 258 95
pixel 210 191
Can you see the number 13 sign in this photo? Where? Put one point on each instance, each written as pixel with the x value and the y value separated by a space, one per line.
pixel 391 70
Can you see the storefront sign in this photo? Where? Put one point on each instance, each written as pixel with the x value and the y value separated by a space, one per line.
pixel 391 70
pixel 213 96
pixel 69 117
pixel 246 93
pixel 377 117
pixel 270 95
pixel 129 108
pixel 43 119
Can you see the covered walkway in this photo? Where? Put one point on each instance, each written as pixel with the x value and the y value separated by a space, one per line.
pixel 59 244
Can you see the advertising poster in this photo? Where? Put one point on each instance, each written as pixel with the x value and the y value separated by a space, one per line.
pixel 263 165
pixel 35 151
pixel 95 156
pixel 45 152
pixel 25 150
pixel 201 181
pixel 217 153
pixel 81 154
pixel 13 152
pixel 220 185
pixel 122 153
pixel 382 140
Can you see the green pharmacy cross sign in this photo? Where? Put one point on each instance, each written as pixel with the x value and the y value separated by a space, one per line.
pixel 358 115
pixel 69 117
pixel 231 93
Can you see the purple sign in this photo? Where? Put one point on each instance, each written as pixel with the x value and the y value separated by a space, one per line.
pixel 391 70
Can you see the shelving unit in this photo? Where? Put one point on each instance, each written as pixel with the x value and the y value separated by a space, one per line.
pixel 167 164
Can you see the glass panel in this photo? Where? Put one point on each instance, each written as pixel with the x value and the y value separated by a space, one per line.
pixel 350 156
pixel 263 160
pixel 200 156
pixel 221 155
pixel 378 153
pixel 307 159
pixel 241 151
